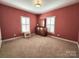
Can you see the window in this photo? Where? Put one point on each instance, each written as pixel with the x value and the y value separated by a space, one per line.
pixel 25 23
pixel 50 24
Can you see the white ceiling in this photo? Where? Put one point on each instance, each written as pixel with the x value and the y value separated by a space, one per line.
pixel 48 5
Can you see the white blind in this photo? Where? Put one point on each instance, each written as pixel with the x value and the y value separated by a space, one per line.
pixel 50 24
pixel 25 23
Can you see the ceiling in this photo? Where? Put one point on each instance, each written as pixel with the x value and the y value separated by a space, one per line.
pixel 48 5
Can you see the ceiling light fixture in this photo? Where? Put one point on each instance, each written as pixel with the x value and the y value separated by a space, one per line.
pixel 37 3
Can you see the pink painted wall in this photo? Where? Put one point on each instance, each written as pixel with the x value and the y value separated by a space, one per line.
pixel 67 21
pixel 78 37
pixel 10 20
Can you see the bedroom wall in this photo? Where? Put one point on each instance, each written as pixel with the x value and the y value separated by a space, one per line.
pixel 10 20
pixel 0 17
pixel 67 21
pixel 78 37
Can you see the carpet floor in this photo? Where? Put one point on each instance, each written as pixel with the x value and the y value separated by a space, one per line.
pixel 38 47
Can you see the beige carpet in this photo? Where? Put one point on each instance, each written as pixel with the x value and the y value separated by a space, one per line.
pixel 38 46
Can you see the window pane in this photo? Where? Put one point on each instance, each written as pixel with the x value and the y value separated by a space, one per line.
pixel 25 23
pixel 24 28
pixel 23 20
pixel 27 20
pixel 48 20
pixel 28 28
pixel 52 20
pixel 52 28
pixel 50 24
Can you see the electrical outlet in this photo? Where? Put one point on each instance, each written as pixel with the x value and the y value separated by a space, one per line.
pixel 14 34
pixel 58 34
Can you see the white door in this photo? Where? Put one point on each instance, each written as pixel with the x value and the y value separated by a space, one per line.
pixel 0 38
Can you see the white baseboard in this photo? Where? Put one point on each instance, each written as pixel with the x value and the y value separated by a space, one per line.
pixel 78 45
pixel 14 38
pixel 0 43
pixel 49 35
pixel 65 40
